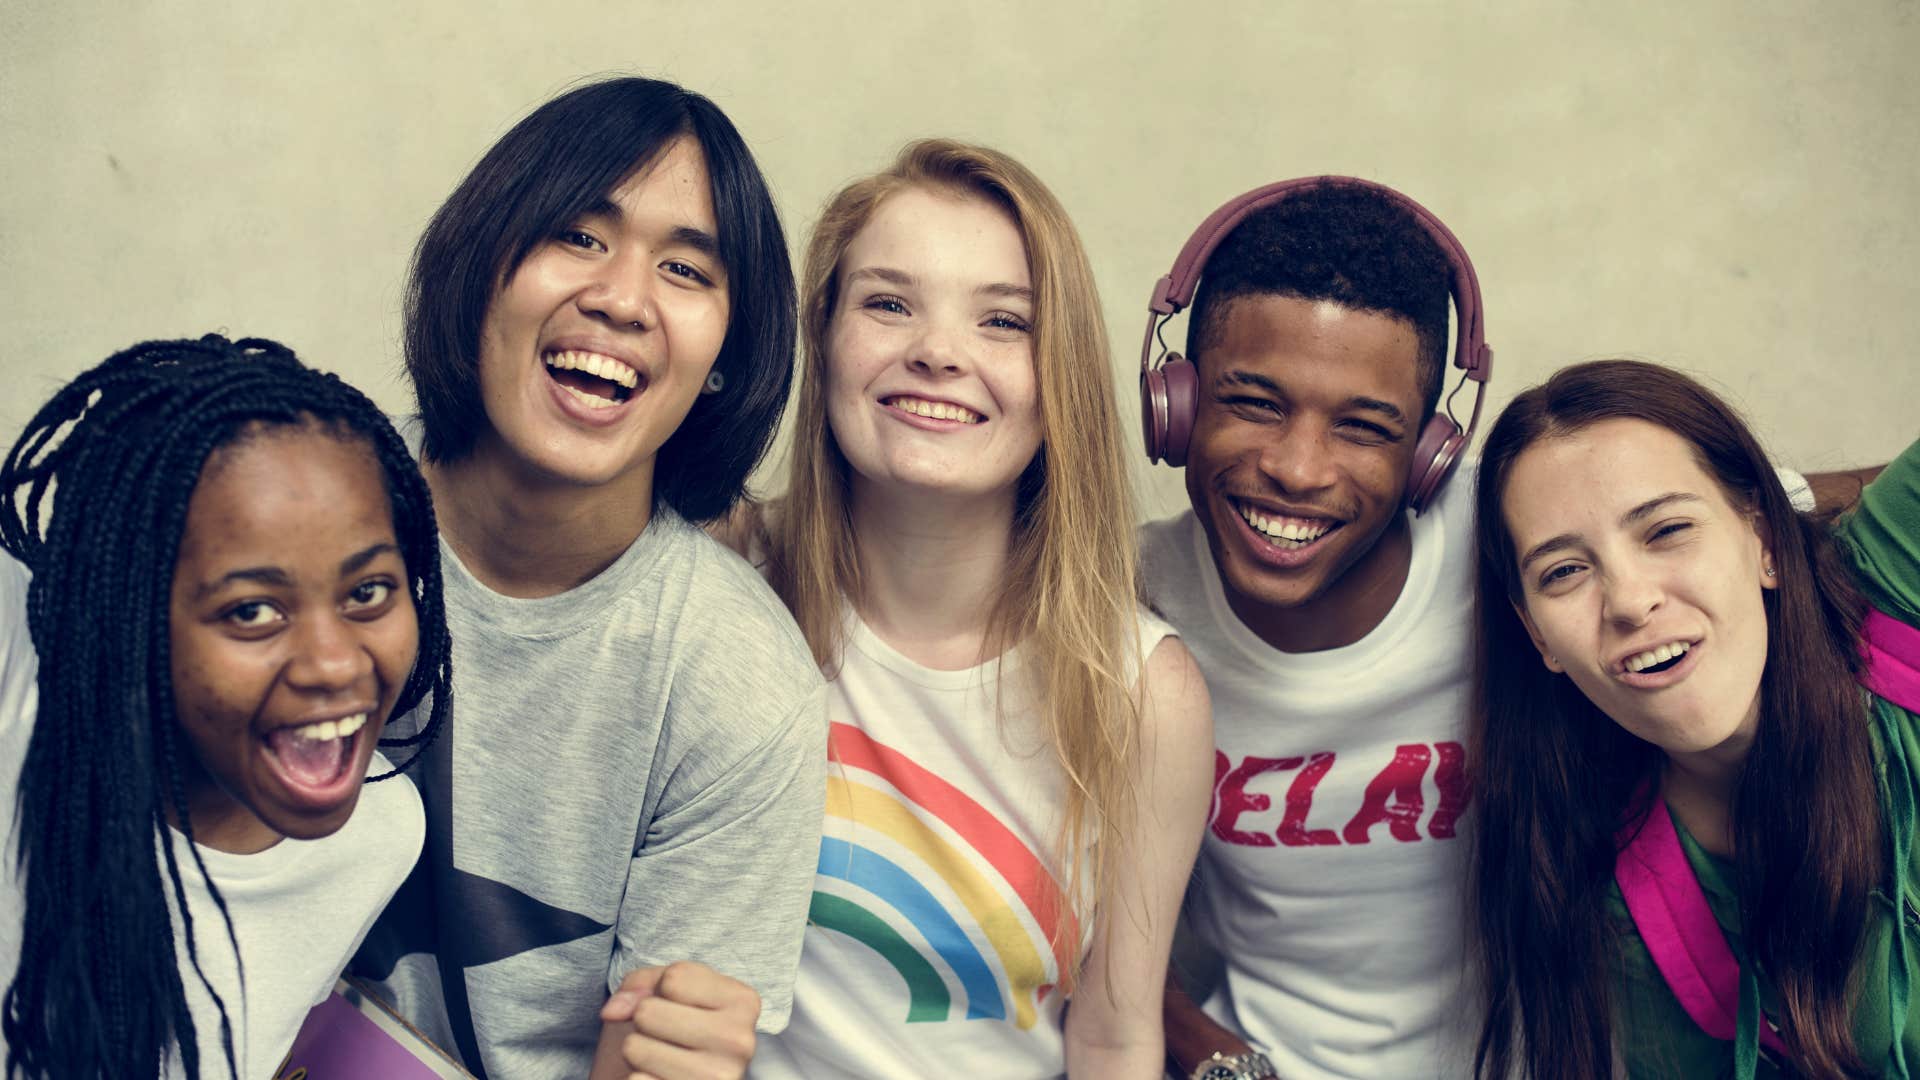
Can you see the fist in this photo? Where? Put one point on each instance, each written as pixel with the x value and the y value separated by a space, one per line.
pixel 684 1021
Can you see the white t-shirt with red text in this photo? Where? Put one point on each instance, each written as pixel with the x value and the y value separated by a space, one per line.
pixel 1332 872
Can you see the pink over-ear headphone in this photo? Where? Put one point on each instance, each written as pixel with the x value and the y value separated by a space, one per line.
pixel 1169 390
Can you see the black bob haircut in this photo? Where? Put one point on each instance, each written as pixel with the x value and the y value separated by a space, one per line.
pixel 120 450
pixel 551 169
pixel 1353 246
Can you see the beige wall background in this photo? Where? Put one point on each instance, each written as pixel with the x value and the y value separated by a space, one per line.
pixel 1726 185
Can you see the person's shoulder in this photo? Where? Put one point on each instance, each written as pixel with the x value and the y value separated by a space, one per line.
pixel 1455 500
pixel 386 831
pixel 19 664
pixel 1179 707
pixel 729 606
pixel 1166 535
pixel 1166 553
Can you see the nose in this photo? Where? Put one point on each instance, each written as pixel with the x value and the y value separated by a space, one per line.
pixel 620 292
pixel 1629 594
pixel 1297 457
pixel 936 352
pixel 327 656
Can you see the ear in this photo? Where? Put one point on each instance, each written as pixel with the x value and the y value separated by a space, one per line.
pixel 1546 656
pixel 1769 576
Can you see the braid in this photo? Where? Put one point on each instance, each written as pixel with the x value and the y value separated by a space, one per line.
pixel 98 990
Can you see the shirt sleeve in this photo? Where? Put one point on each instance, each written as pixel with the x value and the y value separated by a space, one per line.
pixel 1883 535
pixel 725 878
pixel 19 666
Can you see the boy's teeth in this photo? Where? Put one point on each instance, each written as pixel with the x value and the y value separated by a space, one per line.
pixel 325 730
pixel 604 367
pixel 589 400
pixel 1658 655
pixel 1291 529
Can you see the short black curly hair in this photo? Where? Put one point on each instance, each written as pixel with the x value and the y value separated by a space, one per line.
pixel 1351 245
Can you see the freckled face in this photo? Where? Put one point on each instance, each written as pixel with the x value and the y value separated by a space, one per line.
pixel 1301 447
pixel 930 366
pixel 1642 582
pixel 594 350
pixel 292 632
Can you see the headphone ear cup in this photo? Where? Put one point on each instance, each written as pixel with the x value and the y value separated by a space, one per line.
pixel 1434 457
pixel 1153 414
pixel 1168 397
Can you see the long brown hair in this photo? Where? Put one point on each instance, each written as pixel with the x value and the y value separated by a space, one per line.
pixel 1557 779
pixel 1072 579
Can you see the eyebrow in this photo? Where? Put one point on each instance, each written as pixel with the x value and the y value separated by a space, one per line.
pixel 1358 401
pixel 904 280
pixel 263 575
pixel 1639 513
pixel 1384 408
pixel 696 238
pixel 1248 378
pixel 883 273
pixel 278 578
pixel 360 559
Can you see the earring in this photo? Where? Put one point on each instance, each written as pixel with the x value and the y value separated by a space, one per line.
pixel 1767 570
pixel 716 382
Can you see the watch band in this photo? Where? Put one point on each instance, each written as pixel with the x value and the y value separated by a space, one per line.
pixel 1252 1065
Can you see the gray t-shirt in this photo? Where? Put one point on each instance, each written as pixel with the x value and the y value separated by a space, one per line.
pixel 635 774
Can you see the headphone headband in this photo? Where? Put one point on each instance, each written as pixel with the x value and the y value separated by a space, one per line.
pixel 1173 292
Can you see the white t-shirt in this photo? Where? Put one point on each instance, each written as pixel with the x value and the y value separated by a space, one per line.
pixel 299 908
pixel 1332 872
pixel 932 948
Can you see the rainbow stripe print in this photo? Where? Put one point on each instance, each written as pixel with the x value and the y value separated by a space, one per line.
pixel 918 871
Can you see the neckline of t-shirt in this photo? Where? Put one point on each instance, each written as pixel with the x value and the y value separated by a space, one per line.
pixel 862 639
pixel 562 613
pixel 1428 542
pixel 542 616
pixel 233 866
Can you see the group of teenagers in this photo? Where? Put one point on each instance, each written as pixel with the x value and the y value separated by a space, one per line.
pixel 1597 757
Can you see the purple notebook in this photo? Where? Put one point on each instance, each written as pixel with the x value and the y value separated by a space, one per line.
pixel 353 1035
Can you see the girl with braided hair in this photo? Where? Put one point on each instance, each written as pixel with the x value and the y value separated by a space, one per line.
pixel 234 583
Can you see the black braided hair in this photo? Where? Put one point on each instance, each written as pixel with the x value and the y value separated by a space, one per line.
pixel 98 991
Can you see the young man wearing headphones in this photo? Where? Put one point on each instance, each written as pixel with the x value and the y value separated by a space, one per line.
pixel 1329 621
pixel 1323 579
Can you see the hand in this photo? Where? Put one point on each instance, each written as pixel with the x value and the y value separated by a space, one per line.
pixel 684 1021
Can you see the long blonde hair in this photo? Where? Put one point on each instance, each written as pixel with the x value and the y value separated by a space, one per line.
pixel 1072 578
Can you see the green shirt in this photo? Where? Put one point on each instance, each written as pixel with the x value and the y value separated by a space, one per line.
pixel 1655 1035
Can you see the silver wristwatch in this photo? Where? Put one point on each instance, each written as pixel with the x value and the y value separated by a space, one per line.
pixel 1252 1065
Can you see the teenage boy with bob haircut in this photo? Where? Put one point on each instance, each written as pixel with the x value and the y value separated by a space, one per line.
pixel 1333 626
pixel 623 814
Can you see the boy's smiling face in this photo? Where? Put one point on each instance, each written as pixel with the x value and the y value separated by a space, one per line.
pixel 1297 468
pixel 596 346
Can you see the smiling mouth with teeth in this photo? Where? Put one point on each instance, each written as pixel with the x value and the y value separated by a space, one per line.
pixel 316 754
pixel 1658 659
pixel 934 410
pixel 596 381
pixel 1286 532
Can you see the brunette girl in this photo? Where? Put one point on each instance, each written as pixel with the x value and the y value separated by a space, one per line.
pixel 1695 851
